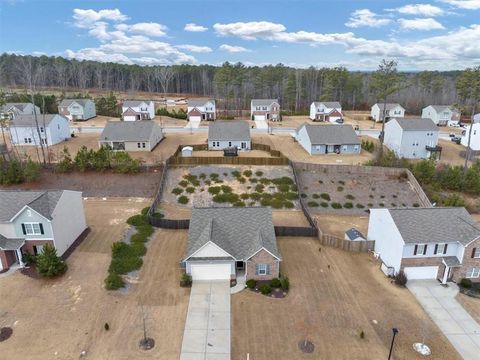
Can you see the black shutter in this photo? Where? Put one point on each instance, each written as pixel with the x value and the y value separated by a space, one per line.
pixel 445 249
pixel 424 249
pixel 23 229
pixel 41 229
pixel 473 252
pixel 436 249
pixel 415 250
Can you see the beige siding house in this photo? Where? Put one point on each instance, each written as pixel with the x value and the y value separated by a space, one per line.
pixel 141 135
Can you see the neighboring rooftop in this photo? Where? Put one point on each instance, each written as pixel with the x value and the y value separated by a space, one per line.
pixel 331 134
pixel 329 104
pixel 133 103
pixel 353 234
pixel 388 106
pixel 439 108
pixel 128 130
pixel 263 102
pixel 19 106
pixel 435 225
pixel 227 130
pixel 241 232
pixel 29 120
pixel 419 124
pixel 68 102
pixel 199 102
pixel 43 202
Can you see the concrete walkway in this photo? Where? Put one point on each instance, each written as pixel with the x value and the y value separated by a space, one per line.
pixel 207 329
pixel 454 321
pixel 261 124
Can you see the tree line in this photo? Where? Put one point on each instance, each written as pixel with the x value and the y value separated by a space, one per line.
pixel 233 84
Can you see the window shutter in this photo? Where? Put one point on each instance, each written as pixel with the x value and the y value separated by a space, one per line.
pixel 23 229
pixel 436 249
pixel 424 249
pixel 445 249
pixel 268 269
pixel 473 252
pixel 415 250
pixel 41 229
pixel 256 269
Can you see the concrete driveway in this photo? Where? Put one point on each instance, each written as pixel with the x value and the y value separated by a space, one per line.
pixel 207 329
pixel 457 325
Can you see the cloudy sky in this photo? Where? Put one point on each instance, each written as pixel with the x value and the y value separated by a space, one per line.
pixel 433 35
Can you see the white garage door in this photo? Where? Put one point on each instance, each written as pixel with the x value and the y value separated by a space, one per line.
pixel 421 272
pixel 259 117
pixel 195 118
pixel 210 271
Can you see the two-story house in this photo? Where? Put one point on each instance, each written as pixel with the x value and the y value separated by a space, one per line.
pixel 326 111
pixel 427 243
pixel 77 109
pixel 134 110
pixel 441 114
pixel 31 219
pixel 474 136
pixel 11 110
pixel 52 129
pixel 265 109
pixel 201 109
pixel 392 110
pixel 412 138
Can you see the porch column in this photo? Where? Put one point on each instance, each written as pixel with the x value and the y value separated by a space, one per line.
pixel 19 257
pixel 445 274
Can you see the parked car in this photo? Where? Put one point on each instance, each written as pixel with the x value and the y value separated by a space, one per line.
pixel 452 135
pixel 453 123
pixel 456 139
pixel 339 121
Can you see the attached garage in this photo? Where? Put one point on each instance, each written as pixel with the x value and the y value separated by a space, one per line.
pixel 195 118
pixel 421 272
pixel 259 117
pixel 210 271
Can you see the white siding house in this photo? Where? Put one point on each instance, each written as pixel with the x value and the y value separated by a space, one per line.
pixel 474 137
pixel 440 114
pixel 134 110
pixel 391 111
pixel 198 110
pixel 53 129
pixel 11 110
pixel 77 109
pixel 326 111
pixel 412 138
pixel 265 109
pixel 328 139
pixel 229 134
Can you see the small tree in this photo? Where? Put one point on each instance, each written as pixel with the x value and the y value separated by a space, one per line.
pixel 401 278
pixel 66 164
pixel 31 171
pixel 48 263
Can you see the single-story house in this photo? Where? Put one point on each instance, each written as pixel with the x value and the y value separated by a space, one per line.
pixel 141 135
pixel 224 243
pixel 53 128
pixel 11 110
pixel 31 219
pixel 198 109
pixel 392 110
pixel 265 109
pixel 224 134
pixel 328 139
pixel 441 114
pixel 354 235
pixel 134 110
pixel 77 109
pixel 474 137
pixel 427 243
pixel 326 111
pixel 412 138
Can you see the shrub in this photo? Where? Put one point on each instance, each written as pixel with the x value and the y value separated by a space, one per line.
pixel 218 181
pixel 226 189
pixel 315 196
pixel 401 278
pixel 275 283
pixel 294 187
pixel 259 188
pixel 251 283
pixel 236 173
pixel 303 195
pixel 114 281
pixel 370 196
pixel 214 176
pixel 340 188
pixel 177 191
pixel 247 173
pixel 288 204
pixel 183 200
pixel 350 197
pixel 137 220
pixel 106 327
pixel 255 196
pixel 265 202
pixel 284 187
pixel 393 205
pixel 265 181
pixel 336 205
pixel 466 283
pixel 348 205
pixel 320 181
pixel 208 182
pixel 283 180
pixel 244 196
pixel 362 334
pixel 242 180
pixel 370 205
pixel 324 204
pixel 31 171
pixel 276 203
pixel 66 164
pixel 202 176
pixel 341 182
pixel 183 183
pixel 416 205
pixel 259 173
pixel 381 205
pixel 190 189
pixel 265 289
pixel 190 177
pixel 382 196
pixel 214 190
pixel 48 263
pixel 360 206
pixel 145 210
pixel 312 204
pixel 239 204
pixel 291 195
pixel 325 196
pixel 253 180
pixel 29 258
pixel 185 280
pixel 284 283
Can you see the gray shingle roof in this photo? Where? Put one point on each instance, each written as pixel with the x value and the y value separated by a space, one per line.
pixel 435 225
pixel 229 130
pixel 199 102
pixel 331 134
pixel 19 106
pixel 29 120
pixel 329 104
pixel 67 102
pixel 420 124
pixel 10 244
pixel 43 202
pixel 133 103
pixel 128 130
pixel 241 232
pixel 388 106
pixel 263 102
pixel 353 234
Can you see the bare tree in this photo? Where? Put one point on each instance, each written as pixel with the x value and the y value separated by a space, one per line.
pixel 164 75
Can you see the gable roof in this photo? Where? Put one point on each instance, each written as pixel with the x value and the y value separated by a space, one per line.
pixel 419 124
pixel 43 202
pixel 199 102
pixel 330 134
pixel 241 232
pixel 128 130
pixel 435 225
pixel 68 102
pixel 440 108
pixel 10 244
pixel 388 106
pixel 229 130
pixel 263 102
pixel 134 103
pixel 29 120
pixel 329 104
pixel 9 106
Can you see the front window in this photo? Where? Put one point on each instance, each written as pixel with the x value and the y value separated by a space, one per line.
pixel 262 269
pixel 473 273
pixel 441 249
pixel 476 253
pixel 138 145
pixel 229 143
pixel 32 229
pixel 420 249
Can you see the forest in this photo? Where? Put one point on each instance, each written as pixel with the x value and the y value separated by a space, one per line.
pixel 233 85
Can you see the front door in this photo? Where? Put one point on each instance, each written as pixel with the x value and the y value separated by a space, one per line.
pixel 240 265
pixel 244 145
pixel 37 249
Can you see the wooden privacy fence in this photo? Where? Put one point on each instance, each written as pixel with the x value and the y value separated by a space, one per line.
pixel 353 246
pixel 169 224
pixel 295 231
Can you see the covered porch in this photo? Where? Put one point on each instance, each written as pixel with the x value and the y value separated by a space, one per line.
pixel 10 253
pixel 447 269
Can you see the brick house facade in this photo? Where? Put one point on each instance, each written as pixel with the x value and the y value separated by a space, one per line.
pixel 262 257
pixel 469 262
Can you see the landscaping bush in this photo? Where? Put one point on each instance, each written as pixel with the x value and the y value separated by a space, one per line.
pixel 214 176
pixel 242 180
pixel 251 283
pixel 341 182
pixel 283 180
pixel 236 173
pixel 177 191
pixel 276 203
pixel 255 196
pixel 360 206
pixel 253 180
pixel 466 283
pixel 239 204
pixel 350 197
pixel 315 196
pixel 247 173
pixel 312 204
pixel 288 204
pixel 416 205
pixel 284 283
pixel 114 281
pixel 190 189
pixel 259 173
pixel 265 181
pixel 265 289
pixel 325 196
pixel 202 176
pixel 303 195
pixel 137 220
pixel 145 210
pixel 214 190
pixel 348 205
pixel 183 183
pixel 336 205
pixel 275 283
pixel 401 278
pixel 226 189
pixel 381 205
pixel 183 200
pixel 48 263
pixel 340 188
pixel 283 187
pixel 259 188
pixel 324 204
pixel 244 196
pixel 185 280
pixel 291 195
pixel 265 202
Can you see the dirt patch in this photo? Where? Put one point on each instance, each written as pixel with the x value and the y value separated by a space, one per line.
pixel 337 224
pixel 5 333
pixel 143 184
pixel 337 304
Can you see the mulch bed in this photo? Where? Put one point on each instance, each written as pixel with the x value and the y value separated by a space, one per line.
pixel 31 271
pixel 5 333
pixel 473 292
pixel 277 293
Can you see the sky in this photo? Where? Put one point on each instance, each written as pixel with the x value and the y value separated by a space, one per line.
pixel 419 35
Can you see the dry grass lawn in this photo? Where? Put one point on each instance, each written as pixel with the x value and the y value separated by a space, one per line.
pixel 337 224
pixel 60 318
pixel 335 304
pixel 472 305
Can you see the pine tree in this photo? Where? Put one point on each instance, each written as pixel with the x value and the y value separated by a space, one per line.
pixel 48 263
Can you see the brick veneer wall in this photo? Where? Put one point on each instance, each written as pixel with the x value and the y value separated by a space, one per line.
pixel 7 258
pixel 262 257
pixel 468 262
pixel 29 244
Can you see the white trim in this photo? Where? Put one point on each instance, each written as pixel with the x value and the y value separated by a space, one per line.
pixel 33 230
pixel 262 248
pixel 207 243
